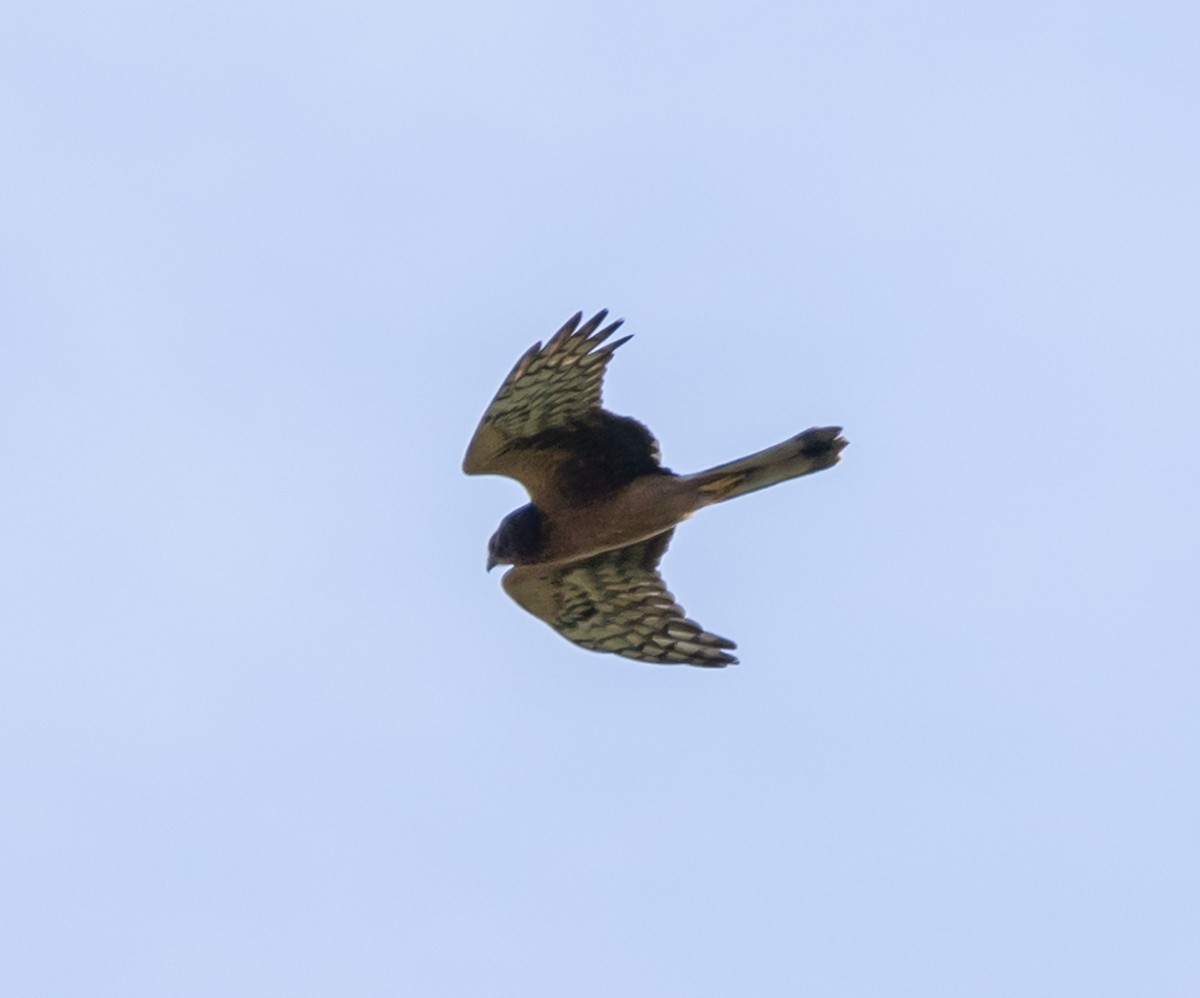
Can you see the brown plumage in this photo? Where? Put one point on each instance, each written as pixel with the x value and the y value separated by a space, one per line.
pixel 586 550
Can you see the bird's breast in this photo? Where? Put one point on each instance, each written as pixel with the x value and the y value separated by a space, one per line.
pixel 640 510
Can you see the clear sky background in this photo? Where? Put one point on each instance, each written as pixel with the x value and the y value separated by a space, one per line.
pixel 266 726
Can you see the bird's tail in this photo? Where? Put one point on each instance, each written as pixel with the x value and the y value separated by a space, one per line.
pixel 812 450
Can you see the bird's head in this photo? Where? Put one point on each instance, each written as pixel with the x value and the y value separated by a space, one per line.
pixel 518 538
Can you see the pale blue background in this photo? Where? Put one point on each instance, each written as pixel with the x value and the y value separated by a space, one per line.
pixel 267 728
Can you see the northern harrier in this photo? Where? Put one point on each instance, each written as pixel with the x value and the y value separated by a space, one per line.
pixel 586 549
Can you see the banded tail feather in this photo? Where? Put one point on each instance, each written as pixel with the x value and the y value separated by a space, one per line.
pixel 812 450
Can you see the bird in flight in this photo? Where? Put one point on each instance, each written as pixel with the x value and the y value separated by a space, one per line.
pixel 585 550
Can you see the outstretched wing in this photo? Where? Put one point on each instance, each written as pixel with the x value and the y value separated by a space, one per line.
pixel 545 427
pixel 617 602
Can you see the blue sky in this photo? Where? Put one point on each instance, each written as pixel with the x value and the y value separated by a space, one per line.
pixel 266 726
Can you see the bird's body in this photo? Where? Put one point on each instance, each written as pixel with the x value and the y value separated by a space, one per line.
pixel 585 551
pixel 635 512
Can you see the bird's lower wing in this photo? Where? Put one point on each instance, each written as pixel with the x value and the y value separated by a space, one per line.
pixel 616 602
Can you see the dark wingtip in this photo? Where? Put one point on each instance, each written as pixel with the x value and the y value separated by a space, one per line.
pixel 607 331
pixel 564 331
pixel 610 347
pixel 592 324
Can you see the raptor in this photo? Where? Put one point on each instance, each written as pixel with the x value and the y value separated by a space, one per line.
pixel 585 550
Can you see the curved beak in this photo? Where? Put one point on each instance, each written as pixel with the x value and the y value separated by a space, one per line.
pixel 491 562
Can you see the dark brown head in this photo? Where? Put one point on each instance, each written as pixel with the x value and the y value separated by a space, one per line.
pixel 519 538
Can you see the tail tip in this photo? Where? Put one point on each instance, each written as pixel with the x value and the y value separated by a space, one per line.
pixel 825 441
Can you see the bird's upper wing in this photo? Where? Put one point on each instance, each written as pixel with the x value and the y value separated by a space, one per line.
pixel 617 602
pixel 547 417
